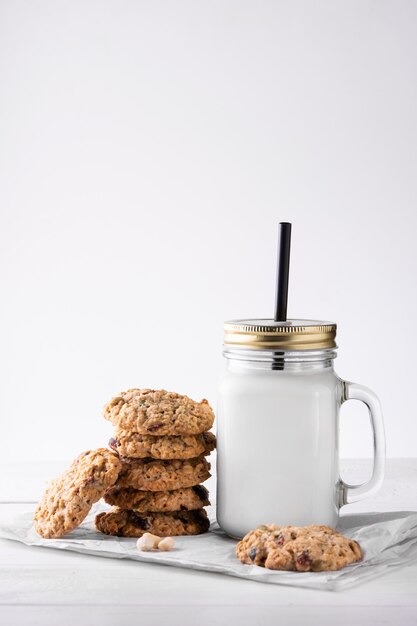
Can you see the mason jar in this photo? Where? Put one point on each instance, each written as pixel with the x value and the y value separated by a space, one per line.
pixel 278 427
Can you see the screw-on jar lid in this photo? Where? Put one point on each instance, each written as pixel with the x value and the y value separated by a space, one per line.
pixel 289 335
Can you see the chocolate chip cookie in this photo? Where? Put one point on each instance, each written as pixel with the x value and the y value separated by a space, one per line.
pixel 124 523
pixel 298 548
pixel 153 475
pixel 159 412
pixel 135 445
pixel 188 499
pixel 70 497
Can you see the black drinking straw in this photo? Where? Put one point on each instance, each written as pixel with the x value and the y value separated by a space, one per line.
pixel 283 270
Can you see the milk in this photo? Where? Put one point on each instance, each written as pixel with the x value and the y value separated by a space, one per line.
pixel 277 449
pixel 278 427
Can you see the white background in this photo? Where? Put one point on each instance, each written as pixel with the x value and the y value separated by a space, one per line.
pixel 148 151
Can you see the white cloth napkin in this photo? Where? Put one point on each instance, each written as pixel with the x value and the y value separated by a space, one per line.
pixel 387 539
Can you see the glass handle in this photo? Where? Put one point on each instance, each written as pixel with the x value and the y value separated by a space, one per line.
pixel 353 493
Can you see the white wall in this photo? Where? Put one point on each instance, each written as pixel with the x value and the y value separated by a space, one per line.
pixel 148 150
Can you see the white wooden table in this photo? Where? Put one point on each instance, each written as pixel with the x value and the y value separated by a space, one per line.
pixel 42 586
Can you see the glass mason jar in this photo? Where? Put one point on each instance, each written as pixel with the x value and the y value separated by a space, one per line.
pixel 278 427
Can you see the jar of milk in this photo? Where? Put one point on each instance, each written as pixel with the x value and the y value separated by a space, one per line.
pixel 278 427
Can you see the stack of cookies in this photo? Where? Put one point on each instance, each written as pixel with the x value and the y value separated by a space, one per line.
pixel 162 440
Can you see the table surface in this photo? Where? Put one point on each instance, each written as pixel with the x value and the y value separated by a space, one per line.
pixel 40 586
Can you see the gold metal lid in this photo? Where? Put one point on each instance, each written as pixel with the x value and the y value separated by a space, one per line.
pixel 289 335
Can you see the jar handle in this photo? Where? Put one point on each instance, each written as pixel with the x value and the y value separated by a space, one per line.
pixel 353 493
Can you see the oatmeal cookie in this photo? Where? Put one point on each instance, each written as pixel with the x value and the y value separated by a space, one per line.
pixel 133 445
pixel 152 475
pixel 70 497
pixel 298 548
pixel 125 523
pixel 159 412
pixel 187 499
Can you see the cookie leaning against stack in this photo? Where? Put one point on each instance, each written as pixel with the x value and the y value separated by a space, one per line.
pixel 162 439
pixel 69 498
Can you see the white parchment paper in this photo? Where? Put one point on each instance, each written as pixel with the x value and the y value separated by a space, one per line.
pixel 387 539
